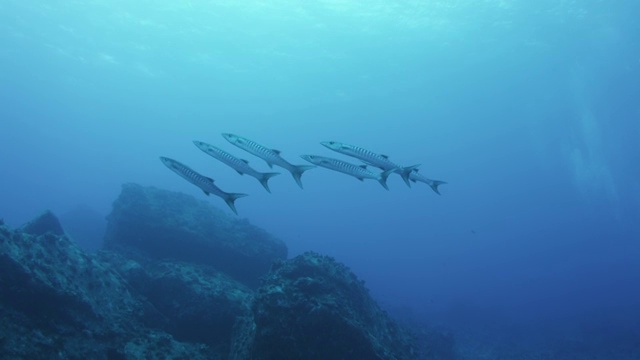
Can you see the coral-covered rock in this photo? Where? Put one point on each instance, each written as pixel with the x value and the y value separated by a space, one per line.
pixel 150 223
pixel 312 307
pixel 57 302
pixel 159 345
pixel 197 304
pixel 62 299
pixel 55 276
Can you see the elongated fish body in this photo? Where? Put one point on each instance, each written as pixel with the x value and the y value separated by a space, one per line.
pixel 371 158
pixel 237 164
pixel 206 184
pixel 415 176
pixel 359 172
pixel 271 156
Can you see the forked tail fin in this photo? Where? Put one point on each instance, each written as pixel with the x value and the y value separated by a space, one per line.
pixel 406 171
pixel 434 185
pixel 383 178
pixel 264 178
pixel 230 199
pixel 297 172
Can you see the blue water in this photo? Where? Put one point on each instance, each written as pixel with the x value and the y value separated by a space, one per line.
pixel 530 110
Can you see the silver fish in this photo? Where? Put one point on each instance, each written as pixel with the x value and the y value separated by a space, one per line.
pixel 206 184
pixel 237 164
pixel 415 176
pixel 271 156
pixel 359 172
pixel 371 158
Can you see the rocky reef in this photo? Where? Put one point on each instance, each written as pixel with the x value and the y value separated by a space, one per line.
pixel 148 223
pixel 312 307
pixel 56 302
pixel 166 287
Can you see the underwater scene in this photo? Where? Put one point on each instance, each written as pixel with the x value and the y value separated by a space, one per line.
pixel 323 179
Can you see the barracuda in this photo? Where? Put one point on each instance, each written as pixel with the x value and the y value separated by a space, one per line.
pixel 371 158
pixel 359 172
pixel 237 164
pixel 271 156
pixel 415 176
pixel 206 184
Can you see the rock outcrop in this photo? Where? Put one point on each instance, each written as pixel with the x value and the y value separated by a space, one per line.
pixel 148 223
pixel 57 302
pixel 312 307
pixel 161 292
pixel 43 224
pixel 196 303
pixel 57 298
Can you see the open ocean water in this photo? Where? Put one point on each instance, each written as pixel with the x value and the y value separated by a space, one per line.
pixel 529 110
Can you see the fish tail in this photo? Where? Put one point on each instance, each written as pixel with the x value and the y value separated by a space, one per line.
pixel 384 176
pixel 434 185
pixel 297 172
pixel 264 178
pixel 406 171
pixel 230 199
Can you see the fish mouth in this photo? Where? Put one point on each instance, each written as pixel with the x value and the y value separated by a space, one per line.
pixel 309 158
pixel 165 160
pixel 332 145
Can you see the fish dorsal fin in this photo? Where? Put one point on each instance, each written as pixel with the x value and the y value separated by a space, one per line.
pixel 364 166
pixel 385 156
pixel 276 151
pixel 210 179
pixel 245 161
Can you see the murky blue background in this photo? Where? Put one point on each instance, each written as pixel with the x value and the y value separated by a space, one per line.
pixel 529 109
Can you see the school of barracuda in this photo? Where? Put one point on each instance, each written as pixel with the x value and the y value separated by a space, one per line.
pixel 370 160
